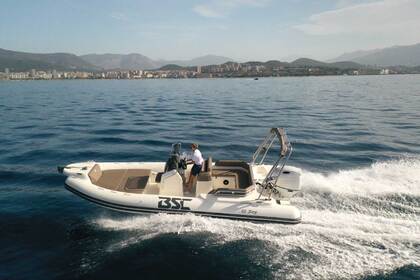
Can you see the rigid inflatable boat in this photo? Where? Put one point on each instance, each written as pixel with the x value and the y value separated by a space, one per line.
pixel 234 189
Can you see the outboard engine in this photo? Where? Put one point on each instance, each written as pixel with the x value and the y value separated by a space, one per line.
pixel 287 183
pixel 281 186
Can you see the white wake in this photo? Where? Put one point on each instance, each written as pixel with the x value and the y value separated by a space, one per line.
pixel 396 176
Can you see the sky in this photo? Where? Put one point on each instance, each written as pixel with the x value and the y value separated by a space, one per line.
pixel 240 29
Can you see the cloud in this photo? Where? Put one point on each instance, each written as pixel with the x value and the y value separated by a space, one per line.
pixel 399 18
pixel 346 3
pixel 206 11
pixel 119 16
pixel 221 8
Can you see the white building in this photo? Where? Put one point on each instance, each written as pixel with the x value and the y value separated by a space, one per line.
pixel 385 72
pixel 18 76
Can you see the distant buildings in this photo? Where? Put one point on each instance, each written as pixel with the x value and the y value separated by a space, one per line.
pixel 18 76
pixel 226 70
pixel 385 72
pixel 44 75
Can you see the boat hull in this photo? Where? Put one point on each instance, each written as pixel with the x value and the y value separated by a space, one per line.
pixel 245 208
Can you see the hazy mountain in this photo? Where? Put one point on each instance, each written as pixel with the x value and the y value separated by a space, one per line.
pixel 347 65
pixel 171 67
pixel 275 64
pixel 121 61
pixel 22 61
pixel 353 55
pixel 308 62
pixel 398 55
pixel 138 61
pixel 202 60
pixel 253 63
pixel 302 62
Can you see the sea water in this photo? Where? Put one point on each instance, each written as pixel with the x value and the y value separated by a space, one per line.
pixel 356 139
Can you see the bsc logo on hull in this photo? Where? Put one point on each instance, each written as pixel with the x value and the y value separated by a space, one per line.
pixel 173 203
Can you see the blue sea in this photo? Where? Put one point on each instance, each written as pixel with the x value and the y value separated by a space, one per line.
pixel 356 139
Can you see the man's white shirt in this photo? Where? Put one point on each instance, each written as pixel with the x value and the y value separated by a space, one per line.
pixel 197 157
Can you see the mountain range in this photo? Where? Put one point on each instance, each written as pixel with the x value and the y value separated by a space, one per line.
pixel 307 62
pixel 276 64
pixel 137 61
pixel 120 61
pixel 393 56
pixel 23 61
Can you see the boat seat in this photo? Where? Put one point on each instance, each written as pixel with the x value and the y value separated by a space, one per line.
pixel 110 179
pixel 242 170
pixel 135 180
pixel 151 188
pixel 208 165
pixel 204 183
pixel 130 180
pixel 225 179
pixel 171 184
pixel 95 173
pixel 136 183
pixel 205 174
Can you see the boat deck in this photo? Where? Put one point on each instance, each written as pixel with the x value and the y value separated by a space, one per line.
pixel 147 181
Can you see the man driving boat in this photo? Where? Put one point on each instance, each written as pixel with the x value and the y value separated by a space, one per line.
pixel 196 158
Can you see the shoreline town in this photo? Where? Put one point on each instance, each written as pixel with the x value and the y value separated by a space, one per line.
pixel 226 70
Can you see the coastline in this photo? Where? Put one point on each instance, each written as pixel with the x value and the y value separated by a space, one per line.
pixel 210 78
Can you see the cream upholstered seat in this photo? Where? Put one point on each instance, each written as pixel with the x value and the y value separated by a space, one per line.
pixel 151 188
pixel 204 181
pixel 95 173
pixel 171 184
pixel 127 180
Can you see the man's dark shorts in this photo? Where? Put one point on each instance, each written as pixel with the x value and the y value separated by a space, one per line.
pixel 195 170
